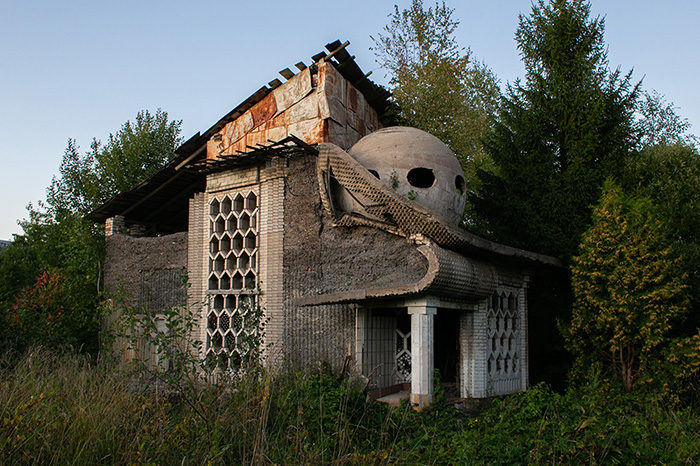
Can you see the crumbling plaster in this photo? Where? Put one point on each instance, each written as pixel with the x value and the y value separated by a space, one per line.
pixel 127 257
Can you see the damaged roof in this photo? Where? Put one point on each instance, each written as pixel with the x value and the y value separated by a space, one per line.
pixel 162 199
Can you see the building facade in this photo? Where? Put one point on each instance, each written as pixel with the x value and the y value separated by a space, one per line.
pixel 345 234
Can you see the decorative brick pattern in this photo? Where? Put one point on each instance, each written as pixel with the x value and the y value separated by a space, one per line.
pixel 402 351
pixel 267 184
pixel 197 261
pixel 271 247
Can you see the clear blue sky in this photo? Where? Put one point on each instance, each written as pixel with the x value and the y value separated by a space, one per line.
pixel 79 69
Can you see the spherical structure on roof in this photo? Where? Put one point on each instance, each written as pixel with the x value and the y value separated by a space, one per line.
pixel 416 165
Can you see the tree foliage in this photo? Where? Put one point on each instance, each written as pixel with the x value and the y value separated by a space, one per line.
pixel 658 123
pixel 60 242
pixel 50 312
pixel 559 134
pixel 437 85
pixel 669 174
pixel 629 289
pixel 129 156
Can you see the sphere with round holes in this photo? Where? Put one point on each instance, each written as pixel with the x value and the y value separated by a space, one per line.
pixel 416 165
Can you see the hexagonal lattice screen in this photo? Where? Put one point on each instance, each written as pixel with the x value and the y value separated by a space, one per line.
pixel 232 279
pixel 503 324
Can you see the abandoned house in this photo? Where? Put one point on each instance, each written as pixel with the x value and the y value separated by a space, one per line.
pixel 345 232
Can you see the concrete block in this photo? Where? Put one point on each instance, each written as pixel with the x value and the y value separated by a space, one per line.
pixel 337 111
pixel 293 91
pixel 305 109
pixel 337 134
pixel 310 131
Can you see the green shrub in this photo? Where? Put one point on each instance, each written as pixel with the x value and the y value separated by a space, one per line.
pixel 60 408
pixel 48 313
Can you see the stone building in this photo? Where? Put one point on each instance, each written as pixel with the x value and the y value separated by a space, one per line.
pixel 346 233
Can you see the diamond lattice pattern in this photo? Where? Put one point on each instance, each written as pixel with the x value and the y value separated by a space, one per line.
pixel 503 332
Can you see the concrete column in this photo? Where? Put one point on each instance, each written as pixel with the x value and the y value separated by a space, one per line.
pixel 422 314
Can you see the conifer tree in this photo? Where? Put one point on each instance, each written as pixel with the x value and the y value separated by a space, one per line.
pixel 559 134
pixel 629 288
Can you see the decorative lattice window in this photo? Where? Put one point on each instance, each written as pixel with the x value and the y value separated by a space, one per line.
pixel 503 324
pixel 402 355
pixel 232 282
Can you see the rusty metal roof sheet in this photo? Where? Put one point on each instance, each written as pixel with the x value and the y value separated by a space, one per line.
pixel 287 147
pixel 170 182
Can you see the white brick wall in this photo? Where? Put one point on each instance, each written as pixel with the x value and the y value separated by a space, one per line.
pixel 268 184
pixel 197 261
pixel 271 256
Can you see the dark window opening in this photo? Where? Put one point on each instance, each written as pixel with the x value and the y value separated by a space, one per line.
pixel 374 172
pixel 421 177
pixel 446 349
pixel 459 184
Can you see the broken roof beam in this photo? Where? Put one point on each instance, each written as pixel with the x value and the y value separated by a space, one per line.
pixel 349 61
pixel 287 73
pixel 338 51
pixel 333 45
pixel 367 75
pixel 275 83
pixel 319 56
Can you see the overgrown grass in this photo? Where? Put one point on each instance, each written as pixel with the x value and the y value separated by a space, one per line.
pixel 67 408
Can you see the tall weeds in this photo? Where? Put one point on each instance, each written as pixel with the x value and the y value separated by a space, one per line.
pixel 58 408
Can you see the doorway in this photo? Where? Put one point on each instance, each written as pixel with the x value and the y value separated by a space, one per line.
pixel 446 350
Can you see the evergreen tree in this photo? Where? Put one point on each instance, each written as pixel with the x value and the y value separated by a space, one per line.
pixel 669 175
pixel 437 85
pixel 559 134
pixel 629 289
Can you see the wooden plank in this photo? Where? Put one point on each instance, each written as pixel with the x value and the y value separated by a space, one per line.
pixel 338 51
pixel 275 83
pixel 333 45
pixel 301 66
pixel 287 73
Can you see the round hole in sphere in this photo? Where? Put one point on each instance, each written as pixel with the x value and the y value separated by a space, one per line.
pixel 421 177
pixel 459 184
